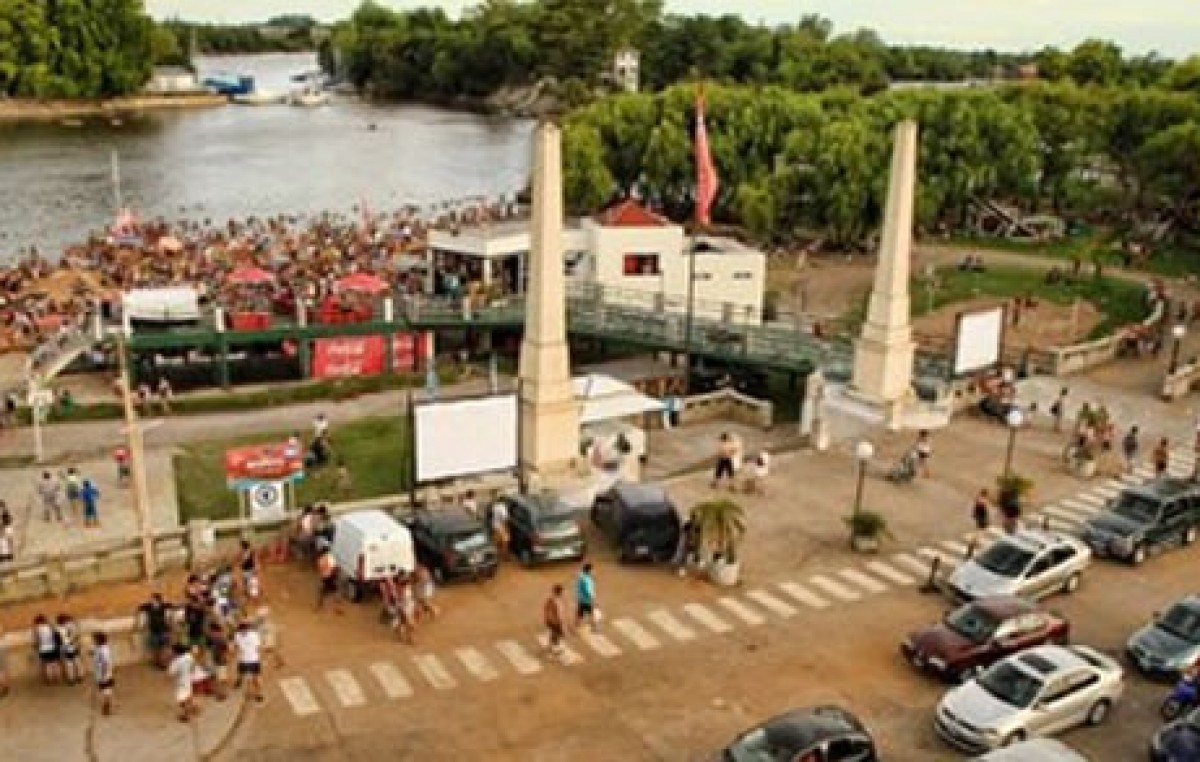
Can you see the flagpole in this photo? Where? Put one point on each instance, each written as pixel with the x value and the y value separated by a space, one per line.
pixel 689 314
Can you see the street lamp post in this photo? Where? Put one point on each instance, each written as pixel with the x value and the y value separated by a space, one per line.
pixel 863 452
pixel 1178 331
pixel 1014 419
pixel 137 464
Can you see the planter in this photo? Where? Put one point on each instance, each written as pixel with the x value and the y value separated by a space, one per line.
pixel 725 574
pixel 864 544
pixel 1085 469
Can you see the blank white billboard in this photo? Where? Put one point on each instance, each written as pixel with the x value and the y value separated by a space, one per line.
pixel 464 437
pixel 979 338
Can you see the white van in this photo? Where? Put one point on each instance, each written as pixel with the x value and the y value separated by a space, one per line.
pixel 368 546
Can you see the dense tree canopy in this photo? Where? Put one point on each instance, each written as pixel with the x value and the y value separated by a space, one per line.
pixel 73 48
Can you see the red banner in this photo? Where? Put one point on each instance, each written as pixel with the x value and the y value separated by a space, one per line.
pixel 364 355
pixel 266 462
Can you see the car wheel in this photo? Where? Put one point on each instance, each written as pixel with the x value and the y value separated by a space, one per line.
pixel 1014 738
pixel 967 674
pixel 1189 535
pixel 524 557
pixel 1099 712
pixel 1072 583
pixel 1138 557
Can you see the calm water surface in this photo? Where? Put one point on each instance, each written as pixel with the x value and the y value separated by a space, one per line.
pixel 236 161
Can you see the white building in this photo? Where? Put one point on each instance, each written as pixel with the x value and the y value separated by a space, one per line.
pixel 174 80
pixel 630 256
pixel 627 69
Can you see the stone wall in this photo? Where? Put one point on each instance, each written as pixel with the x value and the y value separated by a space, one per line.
pixel 23 110
pixel 727 404
pixel 1086 355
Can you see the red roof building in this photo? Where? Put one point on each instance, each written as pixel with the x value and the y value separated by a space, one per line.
pixel 630 214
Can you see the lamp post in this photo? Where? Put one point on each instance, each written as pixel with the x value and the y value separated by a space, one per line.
pixel 689 317
pixel 863 452
pixel 1178 331
pixel 1014 419
pixel 137 464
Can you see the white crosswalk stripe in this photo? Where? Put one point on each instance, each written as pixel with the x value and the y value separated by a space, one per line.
pixel 599 643
pixel 742 611
pixel 771 603
pixel 803 595
pixel 890 573
pixel 706 617
pixel 298 695
pixel 948 560
pixel 1075 504
pixel 670 625
pixel 390 680
pixel 836 589
pixel 1107 493
pixel 476 663
pixel 912 563
pixel 1146 472
pixel 636 634
pixel 345 687
pixel 1131 479
pixel 433 671
pixel 520 659
pixel 865 581
pixel 955 547
pixel 567 656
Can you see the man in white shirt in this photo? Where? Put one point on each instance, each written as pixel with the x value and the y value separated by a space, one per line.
pixel 102 670
pixel 320 426
pixel 180 670
pixel 249 650
pixel 500 527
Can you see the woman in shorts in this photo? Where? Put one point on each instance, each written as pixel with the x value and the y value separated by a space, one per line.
pixel 102 671
pixel 46 643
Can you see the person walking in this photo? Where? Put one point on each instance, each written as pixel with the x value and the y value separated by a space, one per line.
pixel 218 651
pixel 327 570
pixel 8 542
pixel 425 589
pixel 1162 458
pixel 248 643
pixel 500 528
pixel 724 468
pixel 121 458
pixel 924 450
pixel 46 643
pixel 248 567
pixel 165 395
pixel 68 634
pixel 102 671
pixel 1129 448
pixel 180 670
pixel 981 512
pixel 585 599
pixel 49 490
pixel 552 618
pixel 90 496
pixel 72 484
pixel 154 616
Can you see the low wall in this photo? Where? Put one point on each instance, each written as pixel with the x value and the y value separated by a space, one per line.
pixel 727 404
pixel 1086 355
pixel 22 110
pixel 198 546
pixel 1180 383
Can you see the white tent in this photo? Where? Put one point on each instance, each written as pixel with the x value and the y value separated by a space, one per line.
pixel 163 305
pixel 605 398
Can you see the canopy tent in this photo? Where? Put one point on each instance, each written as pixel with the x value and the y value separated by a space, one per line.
pixel 165 305
pixel 365 282
pixel 605 398
pixel 248 275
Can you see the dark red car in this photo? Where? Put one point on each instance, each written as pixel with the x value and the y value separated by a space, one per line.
pixel 977 634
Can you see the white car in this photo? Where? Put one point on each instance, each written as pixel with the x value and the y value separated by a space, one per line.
pixel 1038 692
pixel 1029 564
pixel 1034 750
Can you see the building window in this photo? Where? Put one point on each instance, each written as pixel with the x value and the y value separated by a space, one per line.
pixel 641 264
pixel 704 276
pixel 743 275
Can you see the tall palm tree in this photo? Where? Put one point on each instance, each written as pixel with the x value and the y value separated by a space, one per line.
pixel 721 524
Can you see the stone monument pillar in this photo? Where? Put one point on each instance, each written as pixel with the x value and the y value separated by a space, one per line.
pixel 883 354
pixel 549 414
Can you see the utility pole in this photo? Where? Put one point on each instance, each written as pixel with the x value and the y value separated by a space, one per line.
pixel 137 464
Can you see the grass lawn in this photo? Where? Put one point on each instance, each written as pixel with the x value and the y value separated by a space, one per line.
pixel 1170 261
pixel 374 449
pixel 1120 301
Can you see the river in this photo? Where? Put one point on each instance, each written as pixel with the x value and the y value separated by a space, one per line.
pixel 238 161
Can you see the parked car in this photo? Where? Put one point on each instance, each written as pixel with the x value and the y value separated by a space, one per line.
pixel 1169 644
pixel 1178 741
pixel 818 734
pixel 542 528
pixel 368 546
pixel 976 635
pixel 1034 750
pixel 1029 564
pixel 1038 692
pixel 1152 517
pixel 453 544
pixel 640 519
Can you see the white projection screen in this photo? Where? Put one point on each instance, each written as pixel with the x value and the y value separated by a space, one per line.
pixel 467 436
pixel 979 339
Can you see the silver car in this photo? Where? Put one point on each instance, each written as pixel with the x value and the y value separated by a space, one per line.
pixel 1039 749
pixel 1029 564
pixel 1038 692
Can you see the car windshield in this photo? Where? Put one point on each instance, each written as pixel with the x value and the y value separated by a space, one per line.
pixel 1182 622
pixel 467 541
pixel 972 622
pixel 1005 559
pixel 1136 508
pixel 557 525
pixel 752 747
pixel 1011 685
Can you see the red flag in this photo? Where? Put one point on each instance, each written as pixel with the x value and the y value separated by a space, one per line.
pixel 707 181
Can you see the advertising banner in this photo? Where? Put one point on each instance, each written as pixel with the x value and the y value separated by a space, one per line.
pixel 364 355
pixel 246 467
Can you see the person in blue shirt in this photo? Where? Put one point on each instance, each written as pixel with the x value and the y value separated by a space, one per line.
pixel 90 497
pixel 585 598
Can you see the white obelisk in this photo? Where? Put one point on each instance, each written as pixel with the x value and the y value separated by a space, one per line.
pixel 549 413
pixel 883 354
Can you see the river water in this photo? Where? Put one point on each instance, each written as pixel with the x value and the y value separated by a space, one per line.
pixel 236 161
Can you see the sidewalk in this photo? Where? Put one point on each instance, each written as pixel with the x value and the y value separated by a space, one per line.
pixel 63 723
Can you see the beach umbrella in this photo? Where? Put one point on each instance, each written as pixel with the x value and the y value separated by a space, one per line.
pixel 250 276
pixel 364 282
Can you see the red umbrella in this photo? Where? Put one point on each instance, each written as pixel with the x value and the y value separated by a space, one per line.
pixel 250 276
pixel 371 284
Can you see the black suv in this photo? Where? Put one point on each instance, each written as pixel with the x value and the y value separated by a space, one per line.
pixel 542 528
pixel 1152 517
pixel 640 519
pixel 452 544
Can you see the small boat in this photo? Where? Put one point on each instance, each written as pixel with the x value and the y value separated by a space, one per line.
pixel 258 98
pixel 310 98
